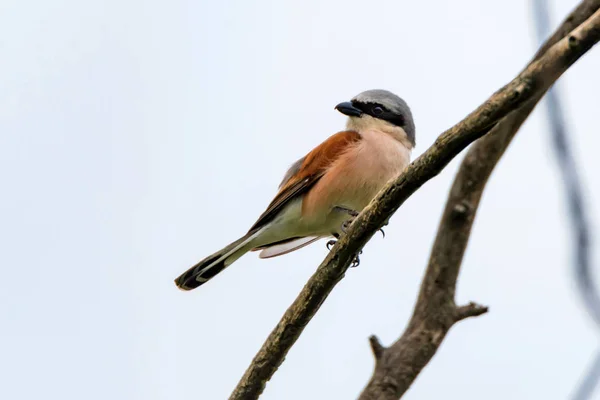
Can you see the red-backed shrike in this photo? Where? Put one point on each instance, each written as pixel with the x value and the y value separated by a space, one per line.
pixel 322 192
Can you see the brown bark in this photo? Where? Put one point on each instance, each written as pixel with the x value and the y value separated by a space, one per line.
pixel 527 86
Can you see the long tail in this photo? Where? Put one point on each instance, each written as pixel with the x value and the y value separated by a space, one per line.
pixel 213 264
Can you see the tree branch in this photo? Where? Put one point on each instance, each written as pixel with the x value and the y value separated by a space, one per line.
pixel 533 81
pixel 435 312
pixel 376 347
pixel 468 311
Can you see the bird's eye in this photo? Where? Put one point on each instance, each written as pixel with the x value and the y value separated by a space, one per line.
pixel 377 110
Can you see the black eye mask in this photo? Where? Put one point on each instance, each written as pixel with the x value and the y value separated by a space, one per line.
pixel 378 111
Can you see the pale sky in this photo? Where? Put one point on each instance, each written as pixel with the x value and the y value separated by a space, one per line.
pixel 137 137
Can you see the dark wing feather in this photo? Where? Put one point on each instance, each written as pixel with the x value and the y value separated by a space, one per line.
pixel 304 173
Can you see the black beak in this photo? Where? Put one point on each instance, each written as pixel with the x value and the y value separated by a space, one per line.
pixel 348 109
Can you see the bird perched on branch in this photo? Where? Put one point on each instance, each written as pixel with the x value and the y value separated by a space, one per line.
pixel 324 191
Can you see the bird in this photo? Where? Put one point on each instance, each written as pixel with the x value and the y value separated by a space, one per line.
pixel 322 192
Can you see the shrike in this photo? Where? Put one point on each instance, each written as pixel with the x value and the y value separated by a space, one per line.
pixel 324 191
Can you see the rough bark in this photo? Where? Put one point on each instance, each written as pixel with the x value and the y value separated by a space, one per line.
pixel 397 366
pixel 527 86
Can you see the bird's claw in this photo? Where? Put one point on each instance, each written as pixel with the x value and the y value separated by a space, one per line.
pixel 331 243
pixel 346 225
pixel 356 261
pixel 348 211
pixel 353 214
pixel 344 228
pixel 381 229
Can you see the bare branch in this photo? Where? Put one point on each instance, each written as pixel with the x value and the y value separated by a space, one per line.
pixel 469 310
pixel 532 82
pixel 435 311
pixel 376 347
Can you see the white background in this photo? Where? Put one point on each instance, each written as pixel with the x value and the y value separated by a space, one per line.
pixel 136 137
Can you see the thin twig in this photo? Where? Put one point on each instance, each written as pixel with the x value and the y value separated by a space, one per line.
pixel 469 310
pixel 376 347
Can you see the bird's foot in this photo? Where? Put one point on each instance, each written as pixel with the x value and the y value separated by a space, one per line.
pixel 344 228
pixel 356 261
pixel 381 229
pixel 332 241
pixel 352 213
pixel 348 211
pixel 346 225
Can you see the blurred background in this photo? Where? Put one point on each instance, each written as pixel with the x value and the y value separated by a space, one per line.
pixel 137 137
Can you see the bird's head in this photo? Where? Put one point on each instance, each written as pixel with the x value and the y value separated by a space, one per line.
pixel 379 109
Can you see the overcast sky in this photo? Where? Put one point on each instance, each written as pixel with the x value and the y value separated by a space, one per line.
pixel 137 137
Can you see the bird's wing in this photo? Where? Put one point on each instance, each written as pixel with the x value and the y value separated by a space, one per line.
pixel 304 173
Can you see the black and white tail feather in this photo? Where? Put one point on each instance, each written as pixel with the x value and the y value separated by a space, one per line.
pixel 215 263
pixel 209 267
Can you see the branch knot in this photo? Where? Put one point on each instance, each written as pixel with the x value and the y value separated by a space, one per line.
pixel 376 347
pixel 470 310
pixel 461 210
